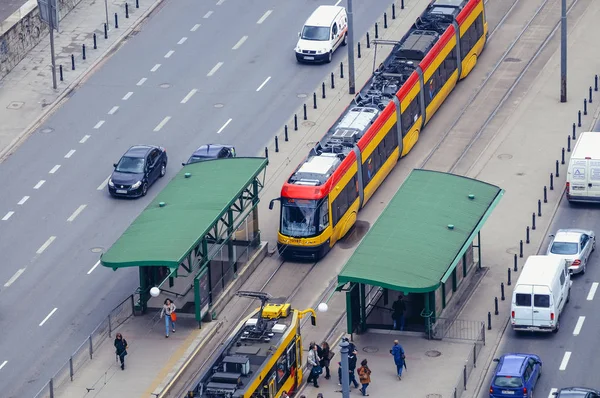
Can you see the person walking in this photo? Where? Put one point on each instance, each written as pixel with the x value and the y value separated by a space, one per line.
pixel 364 375
pixel 352 360
pixel 326 356
pixel 121 349
pixel 313 365
pixel 285 395
pixel 168 312
pixel 398 353
pixel 398 309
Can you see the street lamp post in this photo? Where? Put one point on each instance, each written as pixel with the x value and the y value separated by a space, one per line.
pixel 345 371
pixel 563 52
pixel 106 10
pixel 351 83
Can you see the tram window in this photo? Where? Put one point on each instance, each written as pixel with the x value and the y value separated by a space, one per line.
pixel 323 215
pixel 282 368
pixel 471 36
pixel 391 141
pixel 343 201
pixel 410 115
pixel 432 86
pixel 291 355
pixel 448 67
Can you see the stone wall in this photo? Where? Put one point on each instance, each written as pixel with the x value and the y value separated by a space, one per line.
pixel 23 30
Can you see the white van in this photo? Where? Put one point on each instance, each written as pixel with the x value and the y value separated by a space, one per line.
pixel 540 295
pixel 583 174
pixel 323 32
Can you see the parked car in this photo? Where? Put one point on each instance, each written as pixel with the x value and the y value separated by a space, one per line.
pixel 516 375
pixel 137 170
pixel 577 392
pixel 211 151
pixel 322 33
pixel 575 246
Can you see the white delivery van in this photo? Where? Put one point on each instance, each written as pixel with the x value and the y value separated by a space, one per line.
pixel 540 295
pixel 583 174
pixel 323 32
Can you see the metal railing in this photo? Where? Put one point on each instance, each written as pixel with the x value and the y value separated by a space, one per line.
pixel 470 363
pixel 85 352
pixel 456 329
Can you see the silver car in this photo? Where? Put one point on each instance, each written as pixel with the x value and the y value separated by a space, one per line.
pixel 575 246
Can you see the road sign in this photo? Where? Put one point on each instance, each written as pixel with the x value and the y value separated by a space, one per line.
pixel 49 12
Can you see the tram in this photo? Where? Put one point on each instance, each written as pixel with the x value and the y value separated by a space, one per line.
pixel 261 358
pixel 321 199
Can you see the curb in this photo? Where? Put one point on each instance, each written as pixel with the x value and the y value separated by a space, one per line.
pixel 14 144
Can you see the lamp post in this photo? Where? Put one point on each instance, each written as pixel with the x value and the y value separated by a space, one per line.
pixel 350 42
pixel 106 10
pixel 563 52
pixel 345 371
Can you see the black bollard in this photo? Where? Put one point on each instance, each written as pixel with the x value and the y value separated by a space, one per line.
pixel 579 119
pixel 562 156
pixel 72 62
pixel 105 31
pixel 368 41
pixel 295 122
pixel 266 152
pixel 332 80
pixel 521 248
pixel 585 107
pixel 539 208
pixel 551 182
pixel 393 11
pixel 276 144
pixel 557 171
pixel 358 45
pixel 385 20
pixel 116 21
pixel 285 133
pixel 569 143
pixel 341 70
pixel 545 194
pixel 137 3
pixel 590 96
pixel 83 51
pixel 323 85
pixel 502 291
pixel 596 83
pixel 574 131
pixel 496 312
pixel 508 283
pixel 527 241
pixel 516 264
pixel 489 322
pixel 61 73
pixel 305 115
pixel 533 221
pixel 376 31
pixel 126 10
pixel 402 4
pixel 314 100
pixel 95 43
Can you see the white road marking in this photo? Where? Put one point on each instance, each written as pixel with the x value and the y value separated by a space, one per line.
pixel 23 200
pixel 195 27
pixel 94 267
pixel 263 83
pixel 208 14
pixel 225 125
pixel 215 69
pixel 182 40
pixel 239 43
pixel 168 55
pixel 70 153
pixel 45 245
pixel 84 139
pixel 592 292
pixel 220 2
pixel 3 364
pixel 54 169
pixel 565 361
pixel 113 110
pixel 188 96
pixel 578 326
pixel 338 2
pixel 14 277
pixel 76 213
pixel 48 316
pixel 265 16
pixel 155 68
pixel 142 81
pixel 103 185
pixel 127 96
pixel 162 123
pixel 39 184
pixel 8 215
pixel 99 124
pixel 552 391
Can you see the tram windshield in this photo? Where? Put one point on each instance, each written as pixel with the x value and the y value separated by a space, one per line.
pixel 298 217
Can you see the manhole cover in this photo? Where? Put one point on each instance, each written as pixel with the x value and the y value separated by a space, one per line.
pixel 505 156
pixel 97 249
pixel 308 123
pixel 433 353
pixel 520 174
pixel 512 250
pixel 219 105
pixel 434 395
pixel 302 95
pixel 370 349
pixel 15 105
pixel 512 60
pixel 46 130
pixel 165 85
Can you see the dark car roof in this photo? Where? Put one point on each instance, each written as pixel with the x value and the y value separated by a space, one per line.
pixel 511 364
pixel 210 150
pixel 575 391
pixel 139 151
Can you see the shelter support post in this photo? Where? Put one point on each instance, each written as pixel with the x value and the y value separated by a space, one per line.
pixel 230 253
pixel 210 287
pixel 144 289
pixel 479 248
pixel 427 313
pixel 255 226
pixel 197 302
pixel 363 307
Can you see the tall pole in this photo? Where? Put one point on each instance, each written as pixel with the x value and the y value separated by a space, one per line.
pixel 106 10
pixel 351 83
pixel 51 15
pixel 563 53
pixel 344 354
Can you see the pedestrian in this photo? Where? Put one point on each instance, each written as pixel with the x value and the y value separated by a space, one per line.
pixel 168 312
pixel 121 349
pixel 398 309
pixel 313 365
pixel 364 375
pixel 319 395
pixel 398 353
pixel 285 395
pixel 326 355
pixel 352 359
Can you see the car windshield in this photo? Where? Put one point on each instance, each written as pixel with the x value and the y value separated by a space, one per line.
pixel 298 217
pixel 196 159
pixel 130 165
pixel 508 382
pixel 319 33
pixel 564 248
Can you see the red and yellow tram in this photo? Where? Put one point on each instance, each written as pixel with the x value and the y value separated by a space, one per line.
pixel 321 199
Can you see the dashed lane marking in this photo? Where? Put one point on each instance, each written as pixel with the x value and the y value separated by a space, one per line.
pixel 127 96
pixel 142 81
pixel 239 43
pixel 23 200
pixel 3 364
pixel 265 16
pixel 48 316
pixel 103 185
pixel 14 277
pixel 155 68
pixel 220 2
pixel 223 127
pixel 207 15
pixel 182 40
pixel 84 139
pixel 70 153
pixel 552 391
pixel 113 110
pixel 45 245
pixel 39 184
pixel 578 326
pixel 168 55
pixel 565 361
pixel 76 213
pixel 54 169
pixel 8 215
pixel 99 124
pixel 592 292
pixel 263 83
pixel 338 2
pixel 195 27
pixel 188 96
pixel 162 123
pixel 215 69
pixel 94 267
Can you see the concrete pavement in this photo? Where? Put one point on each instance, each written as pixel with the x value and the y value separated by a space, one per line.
pixel 7 7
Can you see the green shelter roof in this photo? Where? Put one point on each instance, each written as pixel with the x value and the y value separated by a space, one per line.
pixel 423 232
pixel 164 236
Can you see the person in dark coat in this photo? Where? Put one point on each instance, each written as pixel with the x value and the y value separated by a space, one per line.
pixel 398 309
pixel 325 358
pixel 398 353
pixel 352 359
pixel 121 349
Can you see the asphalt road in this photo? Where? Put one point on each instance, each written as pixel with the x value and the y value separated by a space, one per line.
pixel 570 357
pixel 54 208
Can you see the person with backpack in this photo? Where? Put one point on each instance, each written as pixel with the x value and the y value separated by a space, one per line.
pixel 398 353
pixel 313 365
pixel 364 375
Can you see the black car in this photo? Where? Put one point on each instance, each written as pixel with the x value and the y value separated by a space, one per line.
pixel 211 151
pixel 139 168
pixel 577 392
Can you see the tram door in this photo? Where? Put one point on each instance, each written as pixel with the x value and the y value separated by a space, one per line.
pixel 272 387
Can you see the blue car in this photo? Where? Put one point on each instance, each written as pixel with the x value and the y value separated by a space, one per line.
pixel 516 376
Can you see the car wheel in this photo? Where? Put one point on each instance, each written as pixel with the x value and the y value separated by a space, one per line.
pixel 144 189
pixel 569 296
pixel 345 42
pixel 163 170
pixel 594 245
pixel 557 326
pixel 540 373
pixel 329 56
pixel 584 268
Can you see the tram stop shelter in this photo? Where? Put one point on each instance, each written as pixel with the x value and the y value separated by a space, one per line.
pixel 421 248
pixel 203 226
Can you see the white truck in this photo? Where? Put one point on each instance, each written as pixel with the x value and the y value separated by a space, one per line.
pixel 583 173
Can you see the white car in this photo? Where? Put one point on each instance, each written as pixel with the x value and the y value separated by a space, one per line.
pixel 323 32
pixel 575 246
